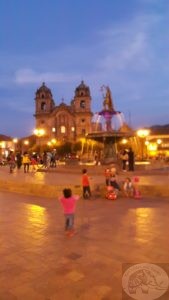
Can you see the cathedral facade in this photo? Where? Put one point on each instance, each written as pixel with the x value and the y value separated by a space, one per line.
pixel 63 122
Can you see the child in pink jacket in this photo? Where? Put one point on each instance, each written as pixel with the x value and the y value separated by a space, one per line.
pixel 68 203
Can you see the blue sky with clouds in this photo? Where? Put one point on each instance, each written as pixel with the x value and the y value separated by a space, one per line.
pixel 123 44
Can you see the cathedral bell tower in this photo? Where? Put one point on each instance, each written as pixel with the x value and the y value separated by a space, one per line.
pixel 44 105
pixel 82 109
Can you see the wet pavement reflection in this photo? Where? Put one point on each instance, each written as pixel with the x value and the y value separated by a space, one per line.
pixel 39 262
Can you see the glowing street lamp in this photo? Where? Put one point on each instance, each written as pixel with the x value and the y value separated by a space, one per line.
pixel 142 134
pixel 39 132
pixel 124 141
pixel 159 141
pixel 15 141
pixel 26 142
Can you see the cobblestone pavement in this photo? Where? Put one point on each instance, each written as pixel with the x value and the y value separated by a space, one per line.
pixel 38 262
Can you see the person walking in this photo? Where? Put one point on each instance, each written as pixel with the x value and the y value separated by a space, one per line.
pixel 86 185
pixel 26 162
pixel 124 158
pixel 68 202
pixel 130 160
pixel 18 160
pixel 11 161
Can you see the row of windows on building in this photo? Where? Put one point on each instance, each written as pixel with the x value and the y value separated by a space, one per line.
pixel 63 130
pixel 62 120
pixel 44 106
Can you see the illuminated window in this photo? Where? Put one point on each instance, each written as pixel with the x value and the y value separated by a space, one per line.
pixel 63 129
pixel 73 129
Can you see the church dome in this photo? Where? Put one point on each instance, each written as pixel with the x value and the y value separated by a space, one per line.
pixel 82 90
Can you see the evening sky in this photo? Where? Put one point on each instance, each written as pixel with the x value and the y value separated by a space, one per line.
pixel 123 44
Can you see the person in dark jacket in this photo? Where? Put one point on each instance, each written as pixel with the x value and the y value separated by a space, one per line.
pixel 130 160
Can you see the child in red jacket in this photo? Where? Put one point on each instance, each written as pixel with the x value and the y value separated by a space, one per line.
pixel 86 185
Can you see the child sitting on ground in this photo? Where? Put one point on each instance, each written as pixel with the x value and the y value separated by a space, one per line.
pixel 128 188
pixel 114 183
pixel 68 203
pixel 111 193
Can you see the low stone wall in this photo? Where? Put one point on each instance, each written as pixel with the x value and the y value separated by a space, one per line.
pixel 53 191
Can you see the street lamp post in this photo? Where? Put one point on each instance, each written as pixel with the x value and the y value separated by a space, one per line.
pixel 39 132
pixel 142 134
pixel 15 141
pixel 26 144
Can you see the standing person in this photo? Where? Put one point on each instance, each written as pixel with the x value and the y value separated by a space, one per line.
pixel 18 160
pixel 107 174
pixel 33 162
pixel 26 162
pixel 124 158
pixel 85 185
pixel 131 160
pixel 11 161
pixel 68 203
pixel 128 187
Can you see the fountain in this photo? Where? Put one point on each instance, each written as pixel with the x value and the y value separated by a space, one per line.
pixel 109 127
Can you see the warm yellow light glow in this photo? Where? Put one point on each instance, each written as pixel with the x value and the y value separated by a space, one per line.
pixel 82 140
pixel 147 143
pixel 49 143
pixel 26 142
pixel 142 133
pixel 53 129
pixel 53 141
pixel 63 129
pixel 152 147
pixel 15 140
pixel 159 141
pixel 2 144
pixel 73 129
pixel 36 219
pixel 39 131
pixel 124 141
pixel 143 219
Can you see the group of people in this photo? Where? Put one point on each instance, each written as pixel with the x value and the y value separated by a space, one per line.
pixel 129 187
pixel 127 157
pixel 48 159
pixel 68 201
pixel 18 160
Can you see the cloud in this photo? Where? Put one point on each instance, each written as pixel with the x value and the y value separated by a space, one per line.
pixel 129 45
pixel 126 55
pixel 24 76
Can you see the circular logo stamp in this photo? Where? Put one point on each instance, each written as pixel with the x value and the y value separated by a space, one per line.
pixel 145 281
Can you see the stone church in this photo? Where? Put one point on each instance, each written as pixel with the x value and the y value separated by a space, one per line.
pixel 63 122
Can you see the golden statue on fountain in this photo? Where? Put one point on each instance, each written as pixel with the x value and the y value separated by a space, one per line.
pixel 108 102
